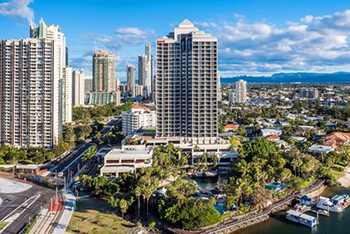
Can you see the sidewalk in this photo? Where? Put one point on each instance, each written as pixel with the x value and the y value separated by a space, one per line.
pixel 69 206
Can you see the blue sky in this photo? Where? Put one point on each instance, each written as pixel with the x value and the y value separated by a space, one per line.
pixel 256 37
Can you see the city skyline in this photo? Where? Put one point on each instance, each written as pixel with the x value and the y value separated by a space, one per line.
pixel 255 38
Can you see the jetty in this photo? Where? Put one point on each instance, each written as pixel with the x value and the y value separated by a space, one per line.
pixel 231 225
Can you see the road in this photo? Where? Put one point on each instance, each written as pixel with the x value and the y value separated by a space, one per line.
pixel 20 208
pixel 71 164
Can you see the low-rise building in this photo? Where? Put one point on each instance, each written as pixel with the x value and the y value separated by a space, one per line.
pixel 318 149
pixel 271 131
pixel 125 160
pixel 231 127
pixel 336 139
pixel 138 117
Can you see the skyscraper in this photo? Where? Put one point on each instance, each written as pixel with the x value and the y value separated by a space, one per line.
pixel 145 69
pixel 52 32
pixel 88 85
pixel 30 113
pixel 103 72
pixel 78 87
pixel 142 69
pixel 130 73
pixel 186 85
pixel 241 91
pixel 67 92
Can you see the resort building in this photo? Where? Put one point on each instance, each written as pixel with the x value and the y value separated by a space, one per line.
pixel 186 85
pixel 138 117
pixel 126 160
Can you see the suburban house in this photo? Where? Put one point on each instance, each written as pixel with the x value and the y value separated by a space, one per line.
pixel 271 131
pixel 336 139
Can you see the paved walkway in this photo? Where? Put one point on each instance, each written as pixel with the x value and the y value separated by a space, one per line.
pixel 67 214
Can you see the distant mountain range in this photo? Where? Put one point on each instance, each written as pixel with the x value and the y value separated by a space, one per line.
pixel 304 77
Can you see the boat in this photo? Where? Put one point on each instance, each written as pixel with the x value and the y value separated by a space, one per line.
pixel 220 198
pixel 200 174
pixel 340 200
pixel 323 212
pixel 301 218
pixel 206 174
pixel 325 203
pixel 211 173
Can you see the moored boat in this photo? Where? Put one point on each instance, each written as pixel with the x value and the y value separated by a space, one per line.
pixel 301 218
pixel 325 203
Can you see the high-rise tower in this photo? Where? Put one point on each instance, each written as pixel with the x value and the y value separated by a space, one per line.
pixel 186 85
pixel 145 67
pixel 30 113
pixel 78 87
pixel 130 73
pixel 241 91
pixel 103 70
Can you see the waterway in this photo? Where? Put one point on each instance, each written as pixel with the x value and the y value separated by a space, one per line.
pixel 336 223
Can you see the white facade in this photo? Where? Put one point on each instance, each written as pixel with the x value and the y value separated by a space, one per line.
pixel 119 161
pixel 241 91
pixel 138 117
pixel 271 131
pixel 78 87
pixel 67 92
pixel 30 73
pixel 137 90
pixel 186 85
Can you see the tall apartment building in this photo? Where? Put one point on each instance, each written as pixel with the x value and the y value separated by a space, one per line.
pixel 138 117
pixel 130 75
pixel 241 91
pixel 88 85
pixel 30 73
pixel 103 71
pixel 231 96
pixel 53 32
pixel 78 87
pixel 67 92
pixel 145 71
pixel 137 90
pixel 186 85
pixel 309 93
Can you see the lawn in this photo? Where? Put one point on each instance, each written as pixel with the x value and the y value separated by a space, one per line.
pixel 3 224
pixel 94 216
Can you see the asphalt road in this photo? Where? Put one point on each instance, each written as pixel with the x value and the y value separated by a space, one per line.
pixel 69 159
pixel 25 205
pixel 70 165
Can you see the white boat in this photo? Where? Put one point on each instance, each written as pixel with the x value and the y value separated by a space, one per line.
pixel 324 203
pixel 211 173
pixel 301 218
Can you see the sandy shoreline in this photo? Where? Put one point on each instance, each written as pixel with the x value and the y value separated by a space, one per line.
pixel 344 179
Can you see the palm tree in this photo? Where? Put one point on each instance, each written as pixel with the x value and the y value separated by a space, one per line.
pixel 138 194
pixel 123 206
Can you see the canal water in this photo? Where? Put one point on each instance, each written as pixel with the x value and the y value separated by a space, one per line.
pixel 336 223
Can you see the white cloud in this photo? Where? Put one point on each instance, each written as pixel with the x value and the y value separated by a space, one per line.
pixel 314 43
pixel 131 30
pixel 18 8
